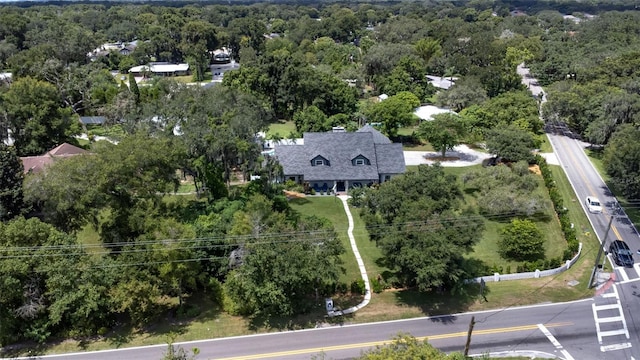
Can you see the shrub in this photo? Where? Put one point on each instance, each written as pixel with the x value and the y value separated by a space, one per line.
pixel 521 240
pixel 357 287
pixel 293 186
pixel 357 196
pixel 377 285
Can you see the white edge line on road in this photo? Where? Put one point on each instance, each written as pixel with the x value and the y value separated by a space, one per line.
pixel 629 281
pixel 622 271
pixel 615 347
pixel 636 267
pixel 555 342
pixel 307 330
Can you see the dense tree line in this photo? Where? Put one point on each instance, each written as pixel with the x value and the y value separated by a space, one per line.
pixel 318 66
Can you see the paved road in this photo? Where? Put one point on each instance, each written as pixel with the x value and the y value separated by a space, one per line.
pixel 616 309
pixel 565 330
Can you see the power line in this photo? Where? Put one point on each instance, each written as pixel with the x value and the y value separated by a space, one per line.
pixel 239 240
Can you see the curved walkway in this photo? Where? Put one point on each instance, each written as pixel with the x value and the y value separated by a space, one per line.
pixel 363 271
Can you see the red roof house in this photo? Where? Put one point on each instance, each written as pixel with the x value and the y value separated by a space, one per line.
pixel 38 163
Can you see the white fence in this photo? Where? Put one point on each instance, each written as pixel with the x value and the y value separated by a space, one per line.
pixel 531 274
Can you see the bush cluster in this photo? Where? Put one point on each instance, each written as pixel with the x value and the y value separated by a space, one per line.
pixel 569 232
pixel 358 287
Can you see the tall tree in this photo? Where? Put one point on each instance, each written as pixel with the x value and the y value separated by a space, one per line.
pixel 199 39
pixel 511 143
pixel 427 48
pixel 394 112
pixel 11 177
pixel 406 347
pixel 35 118
pixel 426 229
pixel 444 132
pixel 622 160
pixel 45 284
pixel 133 88
pixel 463 94
pixel 277 277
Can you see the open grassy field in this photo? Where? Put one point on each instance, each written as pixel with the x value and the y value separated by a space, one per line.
pixel 281 128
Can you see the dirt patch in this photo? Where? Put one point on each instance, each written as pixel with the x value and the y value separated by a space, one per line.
pixel 293 194
pixel 535 169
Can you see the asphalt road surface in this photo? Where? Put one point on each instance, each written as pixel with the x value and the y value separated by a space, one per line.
pixel 565 330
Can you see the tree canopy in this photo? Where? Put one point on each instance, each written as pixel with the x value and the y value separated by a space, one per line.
pixel 622 160
pixel 444 132
pixel 11 177
pixel 429 230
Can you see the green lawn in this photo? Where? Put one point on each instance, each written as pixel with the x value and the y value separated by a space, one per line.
pixel 487 247
pixel 414 147
pixel 545 146
pixel 407 131
pixel 110 131
pixel 282 128
pixel 189 78
pixel 330 207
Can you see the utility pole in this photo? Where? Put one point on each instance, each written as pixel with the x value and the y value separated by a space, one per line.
pixel 466 346
pixel 600 251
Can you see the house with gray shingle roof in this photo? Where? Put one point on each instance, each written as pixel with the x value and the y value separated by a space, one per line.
pixel 341 160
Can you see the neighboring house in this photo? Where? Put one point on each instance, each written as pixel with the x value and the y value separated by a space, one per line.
pixel 341 160
pixel 105 49
pixel 92 120
pixel 220 56
pixel 441 82
pixel 160 69
pixel 35 164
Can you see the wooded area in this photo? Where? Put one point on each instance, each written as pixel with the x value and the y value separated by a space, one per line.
pixel 318 66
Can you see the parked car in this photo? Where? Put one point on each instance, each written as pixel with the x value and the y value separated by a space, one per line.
pixel 593 205
pixel 621 253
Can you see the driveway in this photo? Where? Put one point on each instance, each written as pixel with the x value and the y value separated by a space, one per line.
pixel 466 157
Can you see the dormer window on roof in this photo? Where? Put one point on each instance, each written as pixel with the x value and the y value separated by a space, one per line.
pixel 360 160
pixel 319 161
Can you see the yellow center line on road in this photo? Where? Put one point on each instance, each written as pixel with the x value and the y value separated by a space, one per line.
pixel 588 185
pixel 371 344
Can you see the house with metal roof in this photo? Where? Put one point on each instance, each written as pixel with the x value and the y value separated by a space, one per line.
pixel 339 161
pixel 92 120
pixel 160 69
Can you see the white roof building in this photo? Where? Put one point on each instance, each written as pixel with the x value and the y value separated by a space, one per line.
pixel 426 112
pixel 161 69
pixel 441 82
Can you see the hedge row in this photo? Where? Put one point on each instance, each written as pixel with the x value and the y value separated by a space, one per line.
pixel 569 232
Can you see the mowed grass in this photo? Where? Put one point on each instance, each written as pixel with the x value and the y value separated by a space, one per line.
pixel 281 128
pixel 330 207
pixel 545 145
